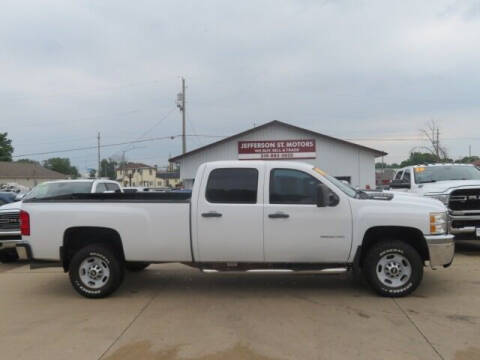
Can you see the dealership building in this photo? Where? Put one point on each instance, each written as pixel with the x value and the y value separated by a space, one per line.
pixel 277 140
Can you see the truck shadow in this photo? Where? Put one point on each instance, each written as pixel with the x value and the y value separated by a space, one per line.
pixel 468 247
pixel 180 281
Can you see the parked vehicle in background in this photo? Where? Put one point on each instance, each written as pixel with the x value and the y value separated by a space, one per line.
pixel 7 197
pixel 457 186
pixel 241 216
pixel 9 214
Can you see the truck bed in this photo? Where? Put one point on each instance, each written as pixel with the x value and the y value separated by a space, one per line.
pixel 115 197
pixel 153 227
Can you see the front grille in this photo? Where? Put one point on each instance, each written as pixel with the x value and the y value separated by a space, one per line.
pixel 9 221
pixel 465 199
pixel 465 223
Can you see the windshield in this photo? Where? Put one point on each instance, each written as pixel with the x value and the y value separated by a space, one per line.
pixel 46 190
pixel 347 189
pixel 445 173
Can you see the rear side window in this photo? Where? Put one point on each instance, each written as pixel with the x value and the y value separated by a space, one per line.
pixel 292 187
pixel 406 176
pixel 232 186
pixel 398 175
pixel 112 187
pixel 100 188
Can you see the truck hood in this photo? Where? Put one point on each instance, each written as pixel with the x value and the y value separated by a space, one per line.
pixel 413 200
pixel 12 206
pixel 446 187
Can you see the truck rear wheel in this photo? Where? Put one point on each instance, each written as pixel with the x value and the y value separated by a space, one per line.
pixel 95 271
pixel 393 268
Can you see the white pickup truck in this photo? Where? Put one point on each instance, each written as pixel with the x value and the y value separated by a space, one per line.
pixel 457 186
pixel 241 216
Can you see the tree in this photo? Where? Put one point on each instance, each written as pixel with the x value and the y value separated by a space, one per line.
pixel 6 148
pixel 107 169
pixel 61 165
pixel 468 160
pixel 418 158
pixel 434 147
pixel 27 161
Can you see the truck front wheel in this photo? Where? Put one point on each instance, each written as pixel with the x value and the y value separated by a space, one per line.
pixel 95 271
pixel 393 268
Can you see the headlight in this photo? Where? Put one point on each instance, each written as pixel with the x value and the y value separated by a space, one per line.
pixel 438 223
pixel 441 197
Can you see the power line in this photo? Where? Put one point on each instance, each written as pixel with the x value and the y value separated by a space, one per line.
pixel 171 137
pixel 153 127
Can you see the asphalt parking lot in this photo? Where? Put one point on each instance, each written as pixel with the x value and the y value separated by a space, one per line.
pixel 175 312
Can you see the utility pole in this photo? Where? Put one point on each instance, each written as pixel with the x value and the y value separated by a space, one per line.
pixel 98 152
pixel 469 151
pixel 181 105
pixel 437 147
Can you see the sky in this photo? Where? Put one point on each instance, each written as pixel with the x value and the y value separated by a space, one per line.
pixel 373 72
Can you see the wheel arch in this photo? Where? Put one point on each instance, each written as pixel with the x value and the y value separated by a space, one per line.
pixel 76 238
pixel 410 235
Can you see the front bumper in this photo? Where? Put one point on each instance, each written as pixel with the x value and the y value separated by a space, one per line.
pixel 464 224
pixel 441 249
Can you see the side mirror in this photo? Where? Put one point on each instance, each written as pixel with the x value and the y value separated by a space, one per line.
pixel 325 197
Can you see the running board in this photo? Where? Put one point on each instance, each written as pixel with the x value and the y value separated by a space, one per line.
pixel 273 271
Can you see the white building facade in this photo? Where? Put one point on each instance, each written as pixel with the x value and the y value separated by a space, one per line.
pixel 277 140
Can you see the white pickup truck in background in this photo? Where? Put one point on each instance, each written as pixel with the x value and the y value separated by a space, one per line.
pixel 457 186
pixel 9 213
pixel 241 216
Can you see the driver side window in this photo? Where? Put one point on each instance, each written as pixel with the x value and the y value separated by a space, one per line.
pixel 289 186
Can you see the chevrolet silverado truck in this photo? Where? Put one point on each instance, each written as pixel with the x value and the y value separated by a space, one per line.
pixel 9 213
pixel 457 186
pixel 241 216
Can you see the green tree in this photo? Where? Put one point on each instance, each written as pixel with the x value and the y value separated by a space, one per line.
pixel 418 158
pixel 27 161
pixel 61 165
pixel 6 148
pixel 468 160
pixel 107 169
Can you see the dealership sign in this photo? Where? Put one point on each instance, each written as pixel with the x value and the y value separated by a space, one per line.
pixel 276 149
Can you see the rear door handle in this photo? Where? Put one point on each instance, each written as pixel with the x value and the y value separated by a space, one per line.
pixel 278 215
pixel 211 214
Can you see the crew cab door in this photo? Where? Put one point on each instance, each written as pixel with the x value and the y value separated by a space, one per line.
pixel 296 230
pixel 229 217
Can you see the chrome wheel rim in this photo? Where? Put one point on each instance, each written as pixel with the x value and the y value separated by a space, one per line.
pixel 94 272
pixel 394 270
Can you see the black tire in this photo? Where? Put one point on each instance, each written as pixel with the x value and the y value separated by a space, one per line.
pixel 107 259
pixel 136 266
pixel 374 269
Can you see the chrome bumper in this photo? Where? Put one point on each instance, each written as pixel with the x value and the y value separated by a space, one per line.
pixel 441 249
pixel 22 247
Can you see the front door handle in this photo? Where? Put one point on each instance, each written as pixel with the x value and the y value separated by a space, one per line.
pixel 211 214
pixel 278 215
